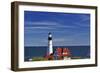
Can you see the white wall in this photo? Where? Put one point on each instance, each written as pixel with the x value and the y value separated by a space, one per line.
pixel 5 40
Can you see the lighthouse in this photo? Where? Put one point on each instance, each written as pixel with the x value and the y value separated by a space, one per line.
pixel 50 47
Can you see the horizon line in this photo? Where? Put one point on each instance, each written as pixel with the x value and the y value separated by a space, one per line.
pixel 60 45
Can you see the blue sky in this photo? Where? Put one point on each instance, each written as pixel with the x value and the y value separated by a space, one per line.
pixel 68 29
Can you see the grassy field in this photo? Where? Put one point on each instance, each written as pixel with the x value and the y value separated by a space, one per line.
pixel 39 59
pixel 45 59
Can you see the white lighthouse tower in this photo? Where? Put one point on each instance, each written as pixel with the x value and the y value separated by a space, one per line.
pixel 50 47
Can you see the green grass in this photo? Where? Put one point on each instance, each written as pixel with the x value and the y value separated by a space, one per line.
pixel 79 57
pixel 38 59
pixel 44 59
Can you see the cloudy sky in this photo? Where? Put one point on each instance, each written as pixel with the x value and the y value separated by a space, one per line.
pixel 67 29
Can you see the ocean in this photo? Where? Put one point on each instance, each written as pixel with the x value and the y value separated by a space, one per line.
pixel 40 51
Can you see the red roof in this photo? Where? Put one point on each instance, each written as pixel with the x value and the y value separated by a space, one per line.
pixel 66 52
pixel 63 52
pixel 59 50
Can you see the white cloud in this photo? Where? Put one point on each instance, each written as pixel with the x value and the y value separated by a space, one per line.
pixel 42 23
pixel 47 25
pixel 83 22
pixel 29 28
